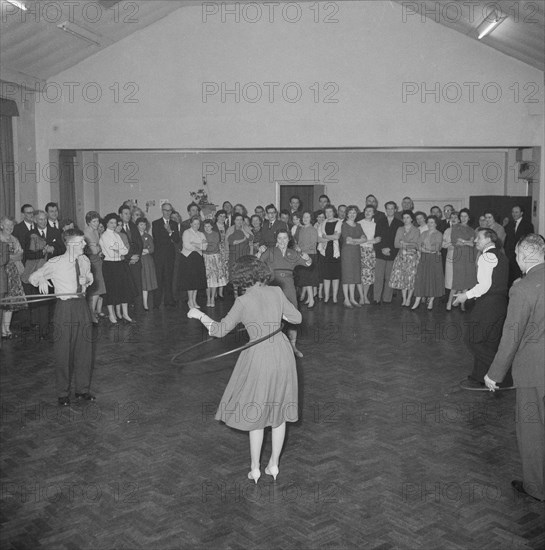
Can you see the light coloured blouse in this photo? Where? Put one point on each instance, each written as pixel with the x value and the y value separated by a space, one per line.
pixel 369 227
pixel 112 246
pixel 193 241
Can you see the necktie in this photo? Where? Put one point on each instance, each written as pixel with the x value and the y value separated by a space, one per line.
pixel 42 234
pixel 78 272
pixel 128 231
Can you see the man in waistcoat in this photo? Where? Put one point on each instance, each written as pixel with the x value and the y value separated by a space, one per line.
pixel 485 325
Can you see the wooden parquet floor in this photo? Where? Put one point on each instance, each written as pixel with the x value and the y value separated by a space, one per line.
pixel 389 453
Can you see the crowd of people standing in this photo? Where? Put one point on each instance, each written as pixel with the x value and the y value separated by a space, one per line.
pixel 423 255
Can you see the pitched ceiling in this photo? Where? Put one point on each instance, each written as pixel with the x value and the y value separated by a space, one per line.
pixel 32 47
pixel 521 35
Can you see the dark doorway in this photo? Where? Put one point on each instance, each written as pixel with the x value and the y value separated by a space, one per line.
pixel 500 206
pixel 67 190
pixel 309 195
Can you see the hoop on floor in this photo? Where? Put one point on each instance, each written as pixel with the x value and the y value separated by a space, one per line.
pixel 225 353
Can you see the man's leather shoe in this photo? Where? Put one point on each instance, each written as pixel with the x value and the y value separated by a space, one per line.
pixel 85 396
pixel 518 485
pixel 64 401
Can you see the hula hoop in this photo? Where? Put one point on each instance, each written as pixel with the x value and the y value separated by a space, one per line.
pixel 221 355
pixel 33 298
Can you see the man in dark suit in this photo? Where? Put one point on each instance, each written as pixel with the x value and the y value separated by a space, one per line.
pixel 41 313
pixel 522 344
pixel 165 237
pixel 24 227
pixel 135 247
pixel 52 211
pixel 271 225
pixel 385 252
pixel 517 228
pixel 229 219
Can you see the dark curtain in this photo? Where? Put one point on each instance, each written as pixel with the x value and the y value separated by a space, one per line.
pixel 8 109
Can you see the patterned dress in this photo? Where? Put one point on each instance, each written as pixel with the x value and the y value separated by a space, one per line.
pixel 224 253
pixel 406 261
pixel 368 257
pixel 216 272
pixel 14 269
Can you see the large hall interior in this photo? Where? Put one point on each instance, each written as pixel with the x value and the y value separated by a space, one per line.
pixel 150 102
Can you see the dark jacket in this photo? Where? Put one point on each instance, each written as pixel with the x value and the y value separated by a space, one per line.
pixel 387 233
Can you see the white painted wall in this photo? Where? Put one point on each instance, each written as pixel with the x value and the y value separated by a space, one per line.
pixel 370 56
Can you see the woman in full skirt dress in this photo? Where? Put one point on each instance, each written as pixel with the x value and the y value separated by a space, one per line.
pixel 406 261
pixel 262 390
pixel 430 280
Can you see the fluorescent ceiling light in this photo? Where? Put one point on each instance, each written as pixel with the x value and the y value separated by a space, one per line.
pixel 488 25
pixel 79 32
pixel 20 5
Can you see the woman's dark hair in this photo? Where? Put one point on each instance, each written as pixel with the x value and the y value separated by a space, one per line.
pixel 317 213
pixel 312 220
pixel 466 210
pixel 330 207
pixel 248 270
pixel 90 216
pixel 258 217
pixel 291 243
pixel 111 216
pixel 235 216
pixel 351 207
pixel 219 213
pixel 409 213
pixel 434 218
pixel 420 213
pixel 193 218
pixel 142 220
pixel 208 222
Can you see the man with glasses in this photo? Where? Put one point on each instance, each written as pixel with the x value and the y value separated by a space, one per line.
pixel 165 236
pixel 271 225
pixel 23 228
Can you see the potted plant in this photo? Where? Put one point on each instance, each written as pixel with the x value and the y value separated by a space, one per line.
pixel 200 197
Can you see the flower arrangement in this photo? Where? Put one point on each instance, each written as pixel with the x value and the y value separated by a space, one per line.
pixel 200 197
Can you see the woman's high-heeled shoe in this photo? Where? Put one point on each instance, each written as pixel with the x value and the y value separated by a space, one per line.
pixel 254 474
pixel 430 305
pixel 416 303
pixel 272 471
